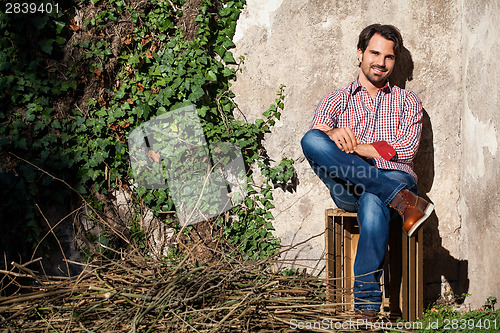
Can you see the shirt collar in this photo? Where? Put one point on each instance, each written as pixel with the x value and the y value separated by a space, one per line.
pixel 356 86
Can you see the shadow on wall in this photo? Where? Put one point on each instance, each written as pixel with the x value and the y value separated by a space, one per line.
pixel 403 69
pixel 437 260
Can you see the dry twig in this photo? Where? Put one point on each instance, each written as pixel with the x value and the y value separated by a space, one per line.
pixel 142 295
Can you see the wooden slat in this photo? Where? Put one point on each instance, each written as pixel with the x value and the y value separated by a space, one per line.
pixel 338 261
pixel 420 273
pixel 350 244
pixel 341 212
pixel 412 277
pixel 330 256
pixel 404 288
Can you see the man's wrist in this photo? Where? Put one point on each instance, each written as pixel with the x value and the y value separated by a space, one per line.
pixel 366 150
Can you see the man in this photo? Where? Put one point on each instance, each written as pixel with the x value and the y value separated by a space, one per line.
pixel 361 144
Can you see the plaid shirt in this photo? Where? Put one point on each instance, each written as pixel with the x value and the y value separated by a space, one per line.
pixel 394 116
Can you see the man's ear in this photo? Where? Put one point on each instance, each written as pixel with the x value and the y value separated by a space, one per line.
pixel 360 55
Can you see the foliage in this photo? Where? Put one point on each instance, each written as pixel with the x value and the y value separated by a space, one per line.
pixel 443 318
pixel 72 102
pixel 291 272
pixel 31 125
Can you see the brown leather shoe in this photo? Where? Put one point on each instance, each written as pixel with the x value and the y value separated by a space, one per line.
pixel 413 209
pixel 366 315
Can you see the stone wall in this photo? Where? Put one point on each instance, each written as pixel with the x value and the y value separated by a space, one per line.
pixel 310 46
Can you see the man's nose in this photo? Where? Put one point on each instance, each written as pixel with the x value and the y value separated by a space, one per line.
pixel 380 61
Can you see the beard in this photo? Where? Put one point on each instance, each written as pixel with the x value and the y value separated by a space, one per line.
pixel 376 78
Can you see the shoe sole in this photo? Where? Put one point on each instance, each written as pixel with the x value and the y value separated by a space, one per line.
pixel 427 212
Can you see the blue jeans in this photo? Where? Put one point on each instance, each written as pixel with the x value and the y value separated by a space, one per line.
pixel 356 185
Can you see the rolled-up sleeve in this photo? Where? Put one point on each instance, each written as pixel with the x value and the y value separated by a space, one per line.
pixel 407 140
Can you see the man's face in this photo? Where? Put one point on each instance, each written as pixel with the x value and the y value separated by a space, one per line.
pixel 377 62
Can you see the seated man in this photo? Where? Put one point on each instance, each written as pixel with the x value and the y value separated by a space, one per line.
pixel 361 144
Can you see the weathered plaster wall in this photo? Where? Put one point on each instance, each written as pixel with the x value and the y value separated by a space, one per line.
pixel 480 176
pixel 311 47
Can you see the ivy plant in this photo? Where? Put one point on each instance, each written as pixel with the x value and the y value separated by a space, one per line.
pixel 74 98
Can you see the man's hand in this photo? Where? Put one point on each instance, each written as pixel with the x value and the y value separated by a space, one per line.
pixel 343 137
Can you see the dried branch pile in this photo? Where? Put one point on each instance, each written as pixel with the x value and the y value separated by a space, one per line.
pixel 140 295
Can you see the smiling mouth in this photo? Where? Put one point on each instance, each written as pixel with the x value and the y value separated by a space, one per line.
pixel 379 70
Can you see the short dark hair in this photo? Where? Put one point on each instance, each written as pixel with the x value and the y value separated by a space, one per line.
pixel 387 31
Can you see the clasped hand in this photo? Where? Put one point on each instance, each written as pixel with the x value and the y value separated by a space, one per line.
pixel 344 138
pixel 346 141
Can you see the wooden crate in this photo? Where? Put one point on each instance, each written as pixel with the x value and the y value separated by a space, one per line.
pixel 402 281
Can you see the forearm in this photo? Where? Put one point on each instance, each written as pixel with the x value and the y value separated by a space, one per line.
pixel 366 150
pixel 407 138
pixel 405 151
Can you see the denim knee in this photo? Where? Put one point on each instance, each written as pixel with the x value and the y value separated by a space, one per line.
pixel 316 143
pixel 311 141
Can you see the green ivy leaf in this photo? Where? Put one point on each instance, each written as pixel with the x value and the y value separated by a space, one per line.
pixel 59 26
pixel 46 45
pixel 197 92
pixel 228 58
pixel 211 76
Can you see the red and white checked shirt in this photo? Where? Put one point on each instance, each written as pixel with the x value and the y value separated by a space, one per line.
pixel 393 116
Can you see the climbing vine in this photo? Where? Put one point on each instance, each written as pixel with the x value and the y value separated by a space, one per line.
pixel 75 84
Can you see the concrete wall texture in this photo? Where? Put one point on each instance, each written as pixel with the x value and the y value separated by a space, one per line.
pixel 310 46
